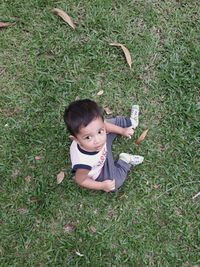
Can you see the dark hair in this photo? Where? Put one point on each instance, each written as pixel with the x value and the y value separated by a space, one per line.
pixel 80 113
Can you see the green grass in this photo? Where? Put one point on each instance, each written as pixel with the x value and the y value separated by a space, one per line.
pixel 152 220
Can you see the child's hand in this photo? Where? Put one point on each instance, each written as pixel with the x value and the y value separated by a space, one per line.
pixel 128 132
pixel 108 185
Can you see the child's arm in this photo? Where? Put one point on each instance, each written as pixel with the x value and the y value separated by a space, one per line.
pixel 81 178
pixel 112 128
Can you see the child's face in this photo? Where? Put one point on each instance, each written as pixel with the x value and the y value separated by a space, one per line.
pixel 92 137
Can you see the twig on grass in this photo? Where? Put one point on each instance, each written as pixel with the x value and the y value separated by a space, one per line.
pixel 170 189
pixel 195 196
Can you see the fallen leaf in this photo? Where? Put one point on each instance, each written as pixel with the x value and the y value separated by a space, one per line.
pixel 156 186
pixel 108 110
pixel 9 112
pixel 93 229
pixel 126 53
pixel 5 24
pixel 141 137
pixel 60 177
pixel 64 16
pixel 15 173
pixel 110 214
pixel 38 157
pixel 22 210
pixel 27 179
pixel 100 92
pixel 69 227
pixel 33 199
pixel 113 246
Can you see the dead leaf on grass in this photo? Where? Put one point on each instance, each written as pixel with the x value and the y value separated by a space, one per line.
pixel 38 157
pixel 141 137
pixel 60 177
pixel 126 52
pixel 69 227
pixel 64 16
pixel 100 92
pixel 110 214
pixel 27 179
pixel 22 210
pixel 33 199
pixel 108 110
pixel 5 24
pixel 156 186
pixel 93 229
pixel 9 112
pixel 15 173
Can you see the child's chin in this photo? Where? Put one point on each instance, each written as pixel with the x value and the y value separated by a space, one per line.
pixel 98 148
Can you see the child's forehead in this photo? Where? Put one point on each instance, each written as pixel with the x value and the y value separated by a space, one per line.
pixel 93 126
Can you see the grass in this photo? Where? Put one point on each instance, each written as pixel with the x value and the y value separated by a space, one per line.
pixel 152 220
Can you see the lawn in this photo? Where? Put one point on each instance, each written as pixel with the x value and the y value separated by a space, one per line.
pixel 153 220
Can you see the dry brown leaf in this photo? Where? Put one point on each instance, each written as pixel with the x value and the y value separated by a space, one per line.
pixel 5 24
pixel 64 16
pixel 60 177
pixel 69 227
pixel 22 210
pixel 156 186
pixel 141 137
pixel 27 179
pixel 108 110
pixel 38 157
pixel 100 92
pixel 33 199
pixel 15 173
pixel 93 229
pixel 9 112
pixel 126 53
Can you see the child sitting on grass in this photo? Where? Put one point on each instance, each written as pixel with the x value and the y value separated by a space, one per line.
pixel 91 148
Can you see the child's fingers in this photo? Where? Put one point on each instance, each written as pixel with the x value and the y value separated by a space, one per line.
pixel 113 185
pixel 131 129
pixel 131 132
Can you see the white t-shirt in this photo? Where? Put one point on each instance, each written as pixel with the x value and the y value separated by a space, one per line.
pixel 92 161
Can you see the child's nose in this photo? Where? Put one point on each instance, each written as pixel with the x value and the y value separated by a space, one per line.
pixel 96 139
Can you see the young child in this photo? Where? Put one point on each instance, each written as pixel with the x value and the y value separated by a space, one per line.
pixel 91 148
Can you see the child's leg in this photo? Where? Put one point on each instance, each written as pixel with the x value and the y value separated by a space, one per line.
pixel 120 121
pixel 127 122
pixel 117 170
pixel 114 171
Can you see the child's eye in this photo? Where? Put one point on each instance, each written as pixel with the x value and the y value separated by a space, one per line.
pixel 88 137
pixel 101 131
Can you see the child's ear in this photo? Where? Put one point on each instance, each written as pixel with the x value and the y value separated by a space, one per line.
pixel 73 138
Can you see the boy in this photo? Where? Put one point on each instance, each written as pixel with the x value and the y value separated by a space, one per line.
pixel 91 148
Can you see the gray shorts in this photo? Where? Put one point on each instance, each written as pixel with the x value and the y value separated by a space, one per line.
pixel 115 170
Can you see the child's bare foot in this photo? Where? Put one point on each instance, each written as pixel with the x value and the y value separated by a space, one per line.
pixel 131 159
pixel 135 116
